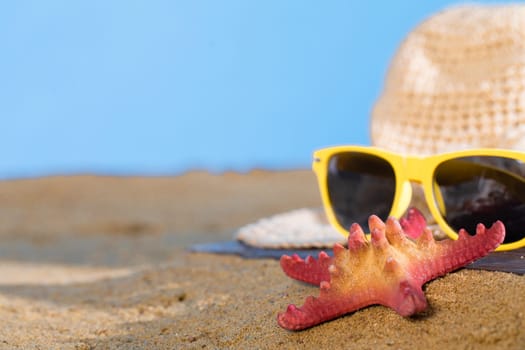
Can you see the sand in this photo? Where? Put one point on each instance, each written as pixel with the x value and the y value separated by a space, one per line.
pixel 92 262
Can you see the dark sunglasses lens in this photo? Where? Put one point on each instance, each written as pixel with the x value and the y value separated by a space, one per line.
pixel 360 185
pixel 482 189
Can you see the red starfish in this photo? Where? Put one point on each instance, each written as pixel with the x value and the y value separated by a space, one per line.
pixel 389 270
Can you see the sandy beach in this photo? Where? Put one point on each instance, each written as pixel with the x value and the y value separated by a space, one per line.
pixel 92 262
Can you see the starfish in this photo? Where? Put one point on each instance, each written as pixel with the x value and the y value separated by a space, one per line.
pixel 390 269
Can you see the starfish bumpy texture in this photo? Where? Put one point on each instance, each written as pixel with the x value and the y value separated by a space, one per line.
pixel 389 270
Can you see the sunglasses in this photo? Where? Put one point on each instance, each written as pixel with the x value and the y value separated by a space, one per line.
pixel 461 188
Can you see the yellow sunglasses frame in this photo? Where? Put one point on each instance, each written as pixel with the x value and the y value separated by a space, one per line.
pixel 407 169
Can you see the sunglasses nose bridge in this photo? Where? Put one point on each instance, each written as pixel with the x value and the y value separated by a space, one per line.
pixel 415 169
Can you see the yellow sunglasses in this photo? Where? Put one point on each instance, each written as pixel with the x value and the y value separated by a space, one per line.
pixel 461 188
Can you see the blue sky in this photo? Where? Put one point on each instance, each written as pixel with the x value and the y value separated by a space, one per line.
pixel 161 87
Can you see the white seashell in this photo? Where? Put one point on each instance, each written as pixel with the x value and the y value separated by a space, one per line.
pixel 300 228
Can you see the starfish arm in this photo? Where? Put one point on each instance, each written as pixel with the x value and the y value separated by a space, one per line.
pixel 407 300
pixel 309 270
pixel 317 310
pixel 413 223
pixel 449 255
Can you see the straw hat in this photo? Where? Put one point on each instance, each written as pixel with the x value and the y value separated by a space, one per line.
pixel 457 81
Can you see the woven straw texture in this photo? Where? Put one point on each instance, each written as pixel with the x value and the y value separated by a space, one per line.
pixel 457 81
